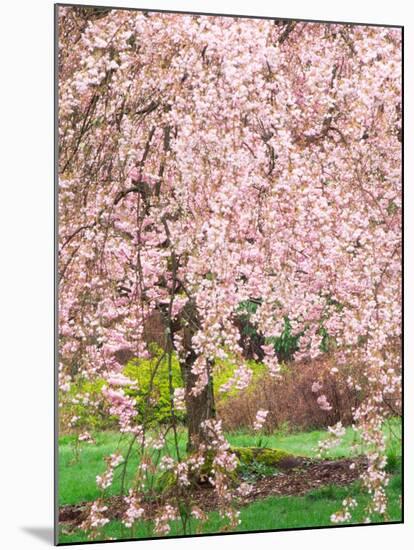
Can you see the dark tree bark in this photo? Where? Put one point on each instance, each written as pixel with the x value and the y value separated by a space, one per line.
pixel 200 407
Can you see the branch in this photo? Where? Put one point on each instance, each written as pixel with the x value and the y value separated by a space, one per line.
pixel 141 187
pixel 285 34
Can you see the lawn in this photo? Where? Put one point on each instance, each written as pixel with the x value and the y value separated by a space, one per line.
pixel 312 510
pixel 284 512
pixel 77 475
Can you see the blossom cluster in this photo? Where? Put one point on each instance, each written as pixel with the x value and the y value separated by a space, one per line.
pixel 134 511
pixel 105 480
pixel 261 416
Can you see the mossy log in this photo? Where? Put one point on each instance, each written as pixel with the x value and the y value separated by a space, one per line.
pixel 275 458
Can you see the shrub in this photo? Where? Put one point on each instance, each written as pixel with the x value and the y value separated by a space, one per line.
pixel 224 370
pixel 290 400
pixel 82 407
pixel 152 378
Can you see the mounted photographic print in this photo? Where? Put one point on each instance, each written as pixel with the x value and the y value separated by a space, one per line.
pixel 229 265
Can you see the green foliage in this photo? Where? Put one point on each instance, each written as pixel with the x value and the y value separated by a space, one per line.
pixel 224 369
pixel 393 433
pixel 83 401
pixel 165 482
pixel 245 310
pixel 153 393
pixel 393 461
pixel 326 340
pixel 254 470
pixel 285 345
pixel 251 339
pixel 392 208
pixel 257 462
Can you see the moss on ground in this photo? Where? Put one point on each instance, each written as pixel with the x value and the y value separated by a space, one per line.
pixel 275 458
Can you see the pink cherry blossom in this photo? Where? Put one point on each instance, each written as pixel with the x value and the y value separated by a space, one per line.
pixel 261 416
pixel 323 403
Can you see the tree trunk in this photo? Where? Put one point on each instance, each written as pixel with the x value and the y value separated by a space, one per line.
pixel 199 407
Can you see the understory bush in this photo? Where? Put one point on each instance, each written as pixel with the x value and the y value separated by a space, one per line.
pixel 153 385
pixel 290 400
pixel 81 408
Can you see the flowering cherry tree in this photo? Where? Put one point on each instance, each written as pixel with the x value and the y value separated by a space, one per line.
pixel 205 161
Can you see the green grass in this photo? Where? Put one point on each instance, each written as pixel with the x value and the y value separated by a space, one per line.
pixel 77 473
pixel 306 443
pixel 289 512
pixel 77 477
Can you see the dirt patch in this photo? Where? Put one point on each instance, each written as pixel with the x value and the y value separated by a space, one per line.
pixel 303 477
pixel 313 475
